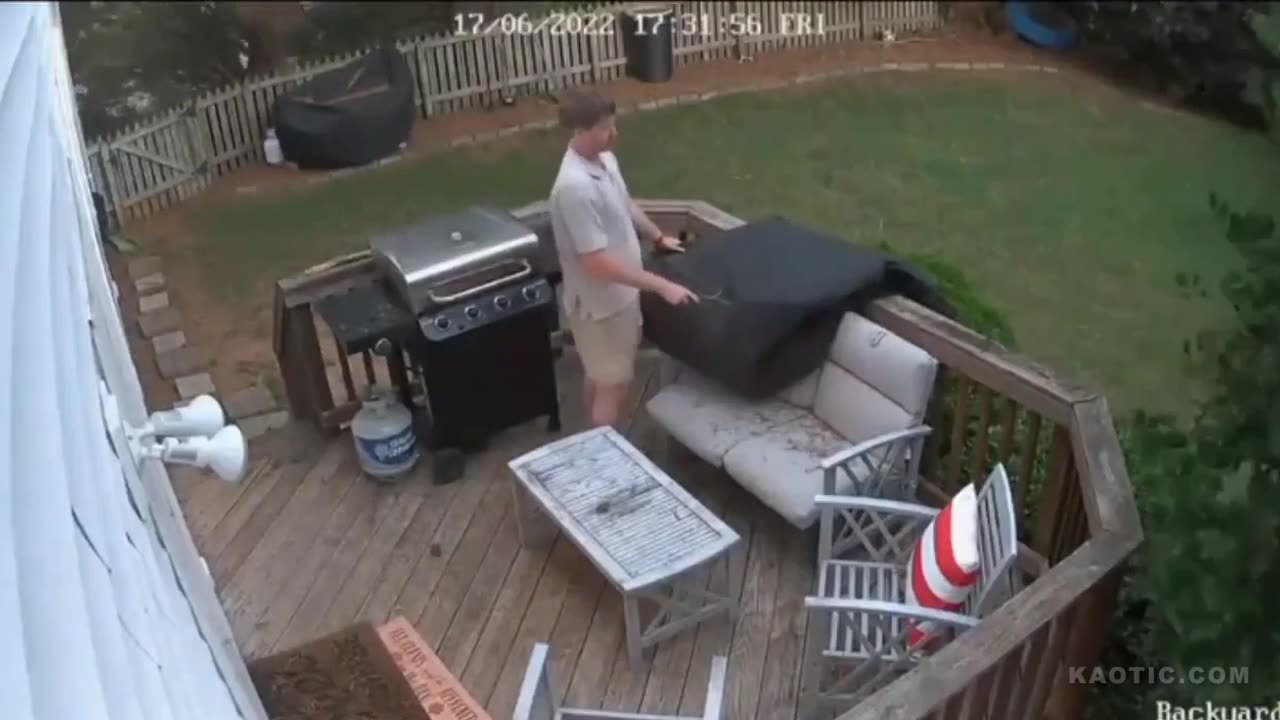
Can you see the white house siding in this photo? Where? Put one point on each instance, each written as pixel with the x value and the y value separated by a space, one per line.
pixel 106 611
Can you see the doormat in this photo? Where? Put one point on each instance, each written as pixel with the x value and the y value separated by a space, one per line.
pixel 441 695
pixel 348 675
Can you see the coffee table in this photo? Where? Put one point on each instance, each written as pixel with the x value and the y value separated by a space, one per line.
pixel 647 535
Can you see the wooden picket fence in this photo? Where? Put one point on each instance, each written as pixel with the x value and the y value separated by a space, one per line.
pixel 160 162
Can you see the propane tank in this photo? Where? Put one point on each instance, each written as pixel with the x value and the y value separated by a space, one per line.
pixel 383 431
pixel 271 148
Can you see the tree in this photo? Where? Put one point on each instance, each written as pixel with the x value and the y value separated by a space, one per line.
pixel 338 27
pixel 266 27
pixel 1205 53
pixel 130 59
pixel 1264 87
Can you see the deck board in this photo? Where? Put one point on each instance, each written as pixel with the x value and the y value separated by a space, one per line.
pixel 308 545
pixel 402 507
pixel 295 571
pixel 237 534
pixel 287 536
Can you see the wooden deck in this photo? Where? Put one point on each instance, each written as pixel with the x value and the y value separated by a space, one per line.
pixel 306 545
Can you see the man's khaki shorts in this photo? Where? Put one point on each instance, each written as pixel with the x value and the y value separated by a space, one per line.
pixel 608 345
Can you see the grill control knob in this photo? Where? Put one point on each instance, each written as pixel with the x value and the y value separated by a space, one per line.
pixel 472 312
pixel 442 322
pixel 501 302
pixel 530 292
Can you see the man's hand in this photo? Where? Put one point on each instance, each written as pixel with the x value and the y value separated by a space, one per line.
pixel 668 243
pixel 677 294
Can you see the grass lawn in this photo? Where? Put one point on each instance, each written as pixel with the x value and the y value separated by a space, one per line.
pixel 1068 206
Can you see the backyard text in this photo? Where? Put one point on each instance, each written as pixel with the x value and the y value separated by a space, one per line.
pixel 1166 710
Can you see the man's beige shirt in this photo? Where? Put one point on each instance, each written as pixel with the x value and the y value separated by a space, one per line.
pixel 591 211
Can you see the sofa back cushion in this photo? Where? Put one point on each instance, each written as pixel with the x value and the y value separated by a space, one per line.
pixel 803 392
pixel 873 382
pixel 855 409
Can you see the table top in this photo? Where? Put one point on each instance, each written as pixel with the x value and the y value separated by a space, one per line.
pixel 636 524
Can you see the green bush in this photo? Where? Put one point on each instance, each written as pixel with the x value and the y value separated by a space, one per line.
pixel 1210 502
pixel 1211 55
pixel 971 310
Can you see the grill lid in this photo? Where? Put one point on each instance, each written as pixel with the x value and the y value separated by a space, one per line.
pixel 446 249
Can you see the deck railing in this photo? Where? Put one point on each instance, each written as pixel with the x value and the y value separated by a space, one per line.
pixel 1076 510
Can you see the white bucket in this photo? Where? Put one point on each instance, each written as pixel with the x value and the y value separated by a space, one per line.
pixel 271 148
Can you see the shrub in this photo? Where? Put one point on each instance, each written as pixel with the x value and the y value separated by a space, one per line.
pixel 1207 54
pixel 971 309
pixel 1210 502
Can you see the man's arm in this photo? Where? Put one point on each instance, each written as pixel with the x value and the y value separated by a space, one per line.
pixel 601 267
pixel 644 226
pixel 587 237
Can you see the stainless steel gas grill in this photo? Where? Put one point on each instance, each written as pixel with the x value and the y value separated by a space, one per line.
pixel 460 296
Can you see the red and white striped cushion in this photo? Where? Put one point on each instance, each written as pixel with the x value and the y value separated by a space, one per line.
pixel 944 564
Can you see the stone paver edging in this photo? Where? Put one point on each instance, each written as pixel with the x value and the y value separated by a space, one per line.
pixel 692 98
pixel 253 409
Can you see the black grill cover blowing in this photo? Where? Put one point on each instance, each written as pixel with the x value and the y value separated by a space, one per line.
pixel 773 296
pixel 351 116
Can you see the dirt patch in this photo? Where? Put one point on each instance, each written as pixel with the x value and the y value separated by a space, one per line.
pixel 239 342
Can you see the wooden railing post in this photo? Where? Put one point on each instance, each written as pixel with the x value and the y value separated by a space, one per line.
pixel 735 7
pixel 198 131
pixel 112 192
pixel 301 364
pixel 249 121
pixel 1066 699
pixel 425 54
pixel 1055 498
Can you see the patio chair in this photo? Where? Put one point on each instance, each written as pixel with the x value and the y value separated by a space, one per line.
pixel 537 698
pixel 861 623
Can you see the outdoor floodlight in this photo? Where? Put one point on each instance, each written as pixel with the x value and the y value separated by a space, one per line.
pixel 225 453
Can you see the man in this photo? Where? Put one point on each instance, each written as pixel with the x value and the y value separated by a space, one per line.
pixel 597 227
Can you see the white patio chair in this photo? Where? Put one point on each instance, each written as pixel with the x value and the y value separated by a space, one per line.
pixel 537 698
pixel 859 620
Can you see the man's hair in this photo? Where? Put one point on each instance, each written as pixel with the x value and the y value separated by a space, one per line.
pixel 581 110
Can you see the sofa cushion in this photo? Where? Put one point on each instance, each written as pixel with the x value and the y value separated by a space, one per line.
pixel 855 409
pixel 803 392
pixel 708 419
pixel 783 468
pixel 897 369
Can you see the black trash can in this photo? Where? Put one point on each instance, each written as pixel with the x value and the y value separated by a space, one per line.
pixel 649 42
